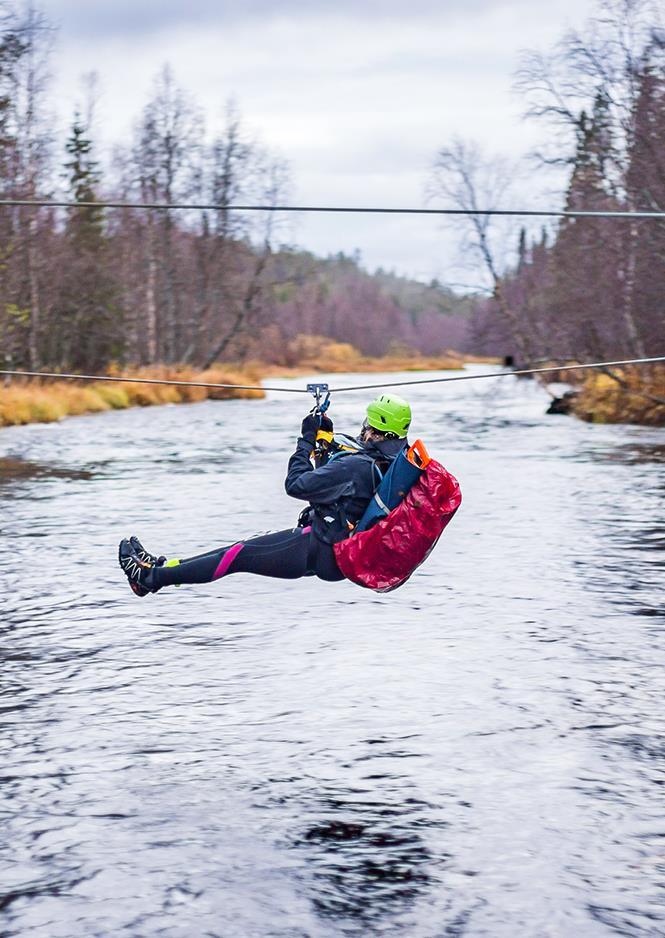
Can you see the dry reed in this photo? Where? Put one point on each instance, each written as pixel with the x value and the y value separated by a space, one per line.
pixel 23 402
pixel 633 395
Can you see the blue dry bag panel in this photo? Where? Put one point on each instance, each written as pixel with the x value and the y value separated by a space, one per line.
pixel 397 481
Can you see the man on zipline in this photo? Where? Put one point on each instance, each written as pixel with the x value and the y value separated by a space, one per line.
pixel 338 490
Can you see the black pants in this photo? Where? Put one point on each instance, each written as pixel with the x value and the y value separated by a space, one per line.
pixel 288 555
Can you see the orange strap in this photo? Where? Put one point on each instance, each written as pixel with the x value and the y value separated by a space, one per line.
pixel 418 455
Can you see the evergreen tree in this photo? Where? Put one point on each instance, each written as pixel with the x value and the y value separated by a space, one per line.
pixel 83 177
pixel 645 185
pixel 87 331
pixel 586 297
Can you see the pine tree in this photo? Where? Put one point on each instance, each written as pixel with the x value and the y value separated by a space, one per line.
pixel 586 256
pixel 645 186
pixel 86 225
pixel 87 330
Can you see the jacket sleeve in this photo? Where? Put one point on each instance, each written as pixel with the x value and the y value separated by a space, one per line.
pixel 325 485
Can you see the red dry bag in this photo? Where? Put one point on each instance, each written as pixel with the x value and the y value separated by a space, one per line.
pixel 386 555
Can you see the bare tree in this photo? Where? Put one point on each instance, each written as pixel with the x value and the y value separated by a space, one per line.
pixel 26 154
pixel 227 177
pixel 464 179
pixel 272 178
pixel 168 142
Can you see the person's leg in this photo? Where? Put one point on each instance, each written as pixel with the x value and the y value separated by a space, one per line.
pixel 322 561
pixel 283 554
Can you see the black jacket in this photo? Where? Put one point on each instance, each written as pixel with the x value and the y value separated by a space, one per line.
pixel 340 490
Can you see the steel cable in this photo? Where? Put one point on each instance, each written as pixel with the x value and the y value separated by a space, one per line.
pixel 498 374
pixel 340 209
pixel 355 387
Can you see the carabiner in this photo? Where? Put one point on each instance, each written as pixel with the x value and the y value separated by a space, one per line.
pixel 317 390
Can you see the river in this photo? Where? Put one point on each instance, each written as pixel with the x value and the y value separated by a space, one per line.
pixel 479 753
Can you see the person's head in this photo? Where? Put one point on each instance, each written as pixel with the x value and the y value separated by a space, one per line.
pixel 388 418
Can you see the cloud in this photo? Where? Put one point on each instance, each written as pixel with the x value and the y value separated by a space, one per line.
pixel 110 18
pixel 358 97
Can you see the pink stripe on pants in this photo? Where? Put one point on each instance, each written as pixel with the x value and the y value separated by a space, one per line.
pixel 227 560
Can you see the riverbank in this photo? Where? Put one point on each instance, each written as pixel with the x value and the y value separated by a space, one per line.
pixel 49 401
pixel 624 395
pixel 37 401
pixel 305 354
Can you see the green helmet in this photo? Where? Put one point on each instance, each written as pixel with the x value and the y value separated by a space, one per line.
pixel 389 414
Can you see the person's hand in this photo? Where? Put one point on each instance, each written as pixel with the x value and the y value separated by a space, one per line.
pixel 312 424
pixel 310 427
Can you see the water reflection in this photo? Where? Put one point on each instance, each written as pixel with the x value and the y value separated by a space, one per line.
pixel 366 852
pixel 634 453
pixel 627 566
pixel 23 470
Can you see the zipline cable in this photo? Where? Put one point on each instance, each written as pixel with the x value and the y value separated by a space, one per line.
pixel 355 387
pixel 498 374
pixel 338 209
pixel 170 381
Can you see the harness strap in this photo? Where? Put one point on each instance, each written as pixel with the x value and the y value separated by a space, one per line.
pixel 337 507
pixel 379 501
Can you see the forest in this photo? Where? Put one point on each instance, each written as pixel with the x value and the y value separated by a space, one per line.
pixel 89 287
pixel 585 288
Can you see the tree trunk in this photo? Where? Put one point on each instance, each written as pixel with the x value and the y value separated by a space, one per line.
pixel 636 343
pixel 151 302
pixel 253 290
pixel 35 311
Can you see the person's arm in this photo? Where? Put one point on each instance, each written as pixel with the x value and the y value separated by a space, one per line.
pixel 324 485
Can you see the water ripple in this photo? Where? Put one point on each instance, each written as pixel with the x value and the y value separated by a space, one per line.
pixel 479 753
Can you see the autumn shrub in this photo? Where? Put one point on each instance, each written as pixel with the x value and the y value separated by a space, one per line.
pixel 412 363
pixel 28 404
pixel 223 375
pixel 318 353
pixel 78 399
pixel 45 407
pixel 32 402
pixel 626 395
pixel 149 395
pixel 172 394
pixel 15 407
pixel 113 394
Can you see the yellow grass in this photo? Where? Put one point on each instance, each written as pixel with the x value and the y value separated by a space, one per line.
pixel 45 402
pixel 311 353
pixel 602 399
pixel 24 402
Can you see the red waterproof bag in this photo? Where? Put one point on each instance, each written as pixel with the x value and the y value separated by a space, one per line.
pixel 386 555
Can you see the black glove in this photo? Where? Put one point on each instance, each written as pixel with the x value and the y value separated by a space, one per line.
pixel 310 427
pixel 312 424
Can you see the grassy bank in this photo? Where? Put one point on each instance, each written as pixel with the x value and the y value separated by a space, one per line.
pixel 312 353
pixel 633 395
pixel 23 402
pixel 45 402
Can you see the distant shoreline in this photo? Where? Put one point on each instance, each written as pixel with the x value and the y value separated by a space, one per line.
pixel 630 395
pixel 24 401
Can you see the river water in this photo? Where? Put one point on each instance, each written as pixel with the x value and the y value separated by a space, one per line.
pixel 480 753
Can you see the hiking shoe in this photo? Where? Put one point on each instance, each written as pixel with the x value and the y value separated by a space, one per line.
pixel 144 555
pixel 137 571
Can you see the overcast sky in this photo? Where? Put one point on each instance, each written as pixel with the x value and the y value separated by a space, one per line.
pixel 356 96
